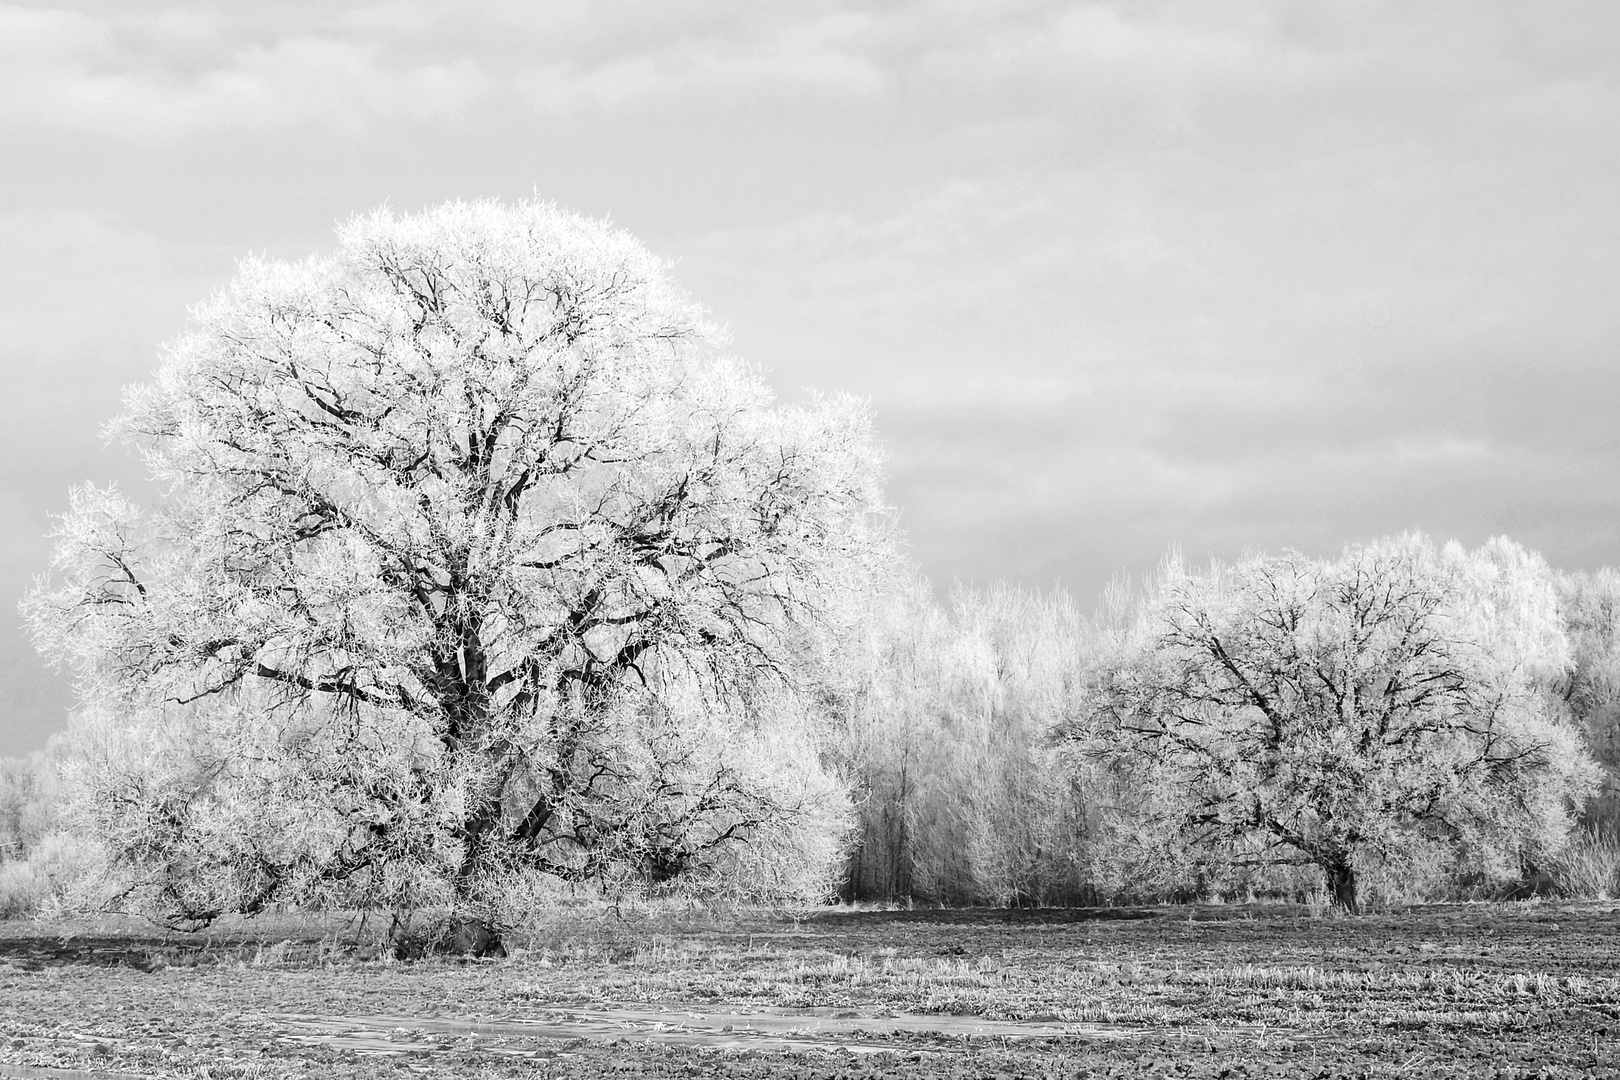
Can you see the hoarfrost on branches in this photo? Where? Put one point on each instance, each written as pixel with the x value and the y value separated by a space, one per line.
pixel 1395 702
pixel 474 559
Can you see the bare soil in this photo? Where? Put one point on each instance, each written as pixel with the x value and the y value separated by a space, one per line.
pixel 1508 990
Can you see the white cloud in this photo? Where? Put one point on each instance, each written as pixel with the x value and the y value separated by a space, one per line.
pixel 1104 35
pixel 1034 285
pixel 171 74
pixel 84 304
pixel 79 287
pixel 829 53
pixel 1149 236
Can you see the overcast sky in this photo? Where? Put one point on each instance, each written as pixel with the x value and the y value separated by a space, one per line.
pixel 1115 277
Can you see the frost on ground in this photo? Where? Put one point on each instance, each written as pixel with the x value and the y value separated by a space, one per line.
pixel 1504 990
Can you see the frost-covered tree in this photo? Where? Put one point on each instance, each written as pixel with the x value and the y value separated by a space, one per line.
pixel 1591 608
pixel 472 559
pixel 27 803
pixel 965 796
pixel 1347 711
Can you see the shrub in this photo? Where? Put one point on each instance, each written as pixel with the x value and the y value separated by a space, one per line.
pixel 55 870
pixel 27 803
pixel 1588 867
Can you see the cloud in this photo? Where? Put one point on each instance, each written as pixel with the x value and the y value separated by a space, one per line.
pixel 85 301
pixel 85 304
pixel 77 282
pixel 1077 369
pixel 825 54
pixel 1114 276
pixel 908 52
pixel 138 77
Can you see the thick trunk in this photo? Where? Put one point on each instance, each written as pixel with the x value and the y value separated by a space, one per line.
pixel 472 936
pixel 470 933
pixel 460 680
pixel 1341 883
pixel 462 935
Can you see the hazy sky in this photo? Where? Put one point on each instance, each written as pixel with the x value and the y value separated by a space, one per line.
pixel 1115 277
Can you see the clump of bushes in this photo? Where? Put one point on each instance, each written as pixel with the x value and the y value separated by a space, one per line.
pixel 1588 867
pixel 1004 749
pixel 43 879
pixel 27 807
pixel 40 864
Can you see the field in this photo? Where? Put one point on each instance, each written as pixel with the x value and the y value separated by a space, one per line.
pixel 1224 992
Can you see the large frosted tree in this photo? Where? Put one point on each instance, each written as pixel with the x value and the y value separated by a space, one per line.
pixel 471 560
pixel 1391 703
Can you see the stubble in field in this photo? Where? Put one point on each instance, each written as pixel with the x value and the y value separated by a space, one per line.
pixel 1511 990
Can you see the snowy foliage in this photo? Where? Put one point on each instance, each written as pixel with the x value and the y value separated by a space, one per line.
pixel 473 558
pixel 1391 704
pixel 1591 608
pixel 964 795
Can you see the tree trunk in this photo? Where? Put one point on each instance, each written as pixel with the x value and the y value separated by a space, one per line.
pixel 472 936
pixel 1341 882
pixel 469 933
pixel 462 935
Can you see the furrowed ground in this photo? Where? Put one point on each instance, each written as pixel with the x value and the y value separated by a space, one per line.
pixel 1221 992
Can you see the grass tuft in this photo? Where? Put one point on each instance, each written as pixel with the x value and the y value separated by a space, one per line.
pixel 1588 868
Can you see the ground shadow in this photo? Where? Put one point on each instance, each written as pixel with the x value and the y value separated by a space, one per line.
pixel 984 915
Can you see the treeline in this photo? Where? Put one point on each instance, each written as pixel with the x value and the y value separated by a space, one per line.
pixel 969 733
pixel 36 859
pixel 476 574
pixel 976 783
pixel 1590 608
pixel 965 794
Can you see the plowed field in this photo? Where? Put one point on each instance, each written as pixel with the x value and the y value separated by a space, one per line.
pixel 1221 992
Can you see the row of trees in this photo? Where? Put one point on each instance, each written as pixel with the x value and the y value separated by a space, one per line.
pixel 475 569
pixel 1404 709
pixel 1003 749
pixel 966 792
pixel 1590 683
pixel 27 804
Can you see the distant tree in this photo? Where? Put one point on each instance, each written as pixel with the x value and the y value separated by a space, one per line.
pixel 1590 604
pixel 473 560
pixel 964 796
pixel 1023 809
pixel 27 803
pixel 1344 711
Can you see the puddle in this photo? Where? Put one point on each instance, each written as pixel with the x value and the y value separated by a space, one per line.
pixel 729 1027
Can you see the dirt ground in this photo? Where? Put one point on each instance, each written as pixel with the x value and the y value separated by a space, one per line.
pixel 1226 992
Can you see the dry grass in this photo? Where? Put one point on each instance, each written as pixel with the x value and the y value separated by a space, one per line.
pixel 1473 988
pixel 1589 866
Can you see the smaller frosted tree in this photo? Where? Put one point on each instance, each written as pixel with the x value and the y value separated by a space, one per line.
pixel 1343 712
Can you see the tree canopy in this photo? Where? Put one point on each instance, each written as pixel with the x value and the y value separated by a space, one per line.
pixel 1591 609
pixel 1348 712
pixel 472 557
